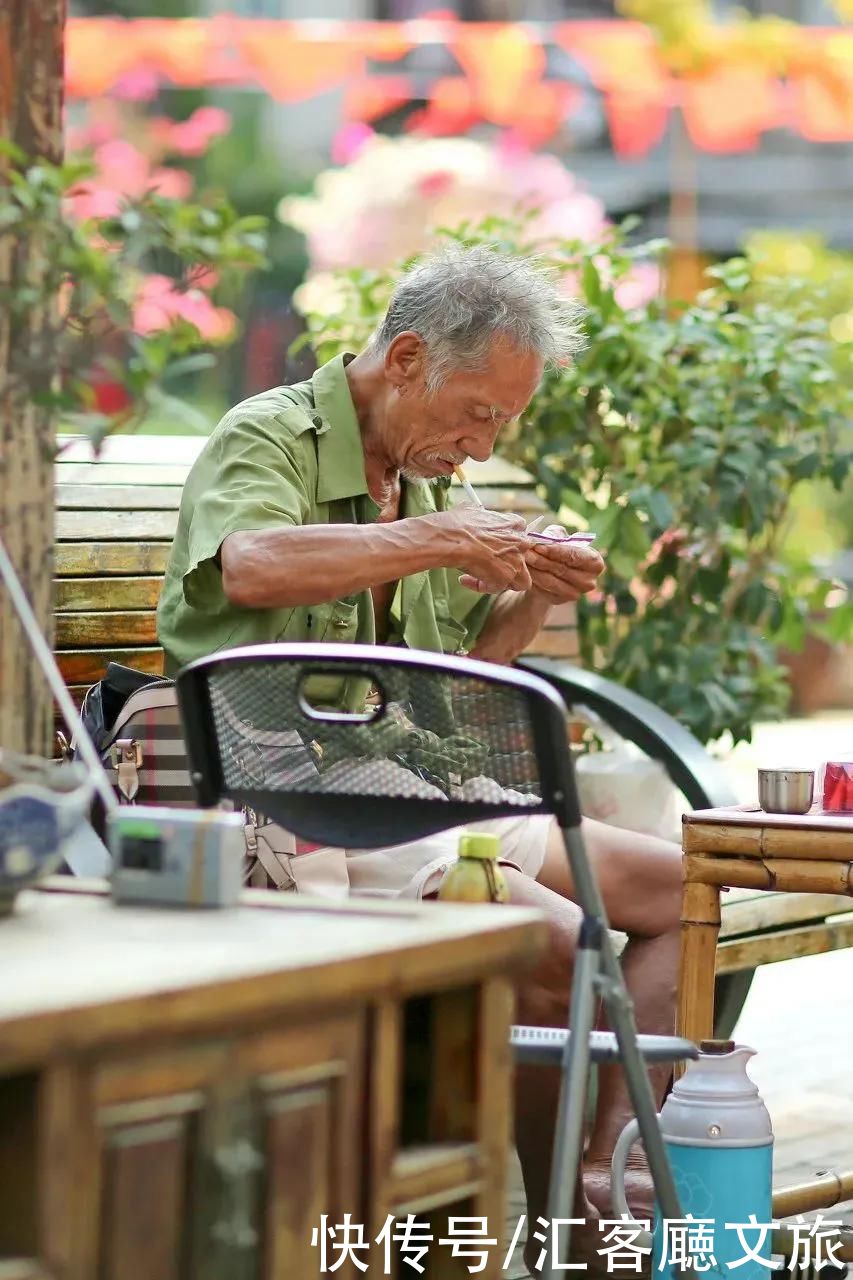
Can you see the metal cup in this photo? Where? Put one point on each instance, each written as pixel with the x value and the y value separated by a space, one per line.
pixel 785 790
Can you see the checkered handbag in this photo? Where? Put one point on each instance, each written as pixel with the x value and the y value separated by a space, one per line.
pixel 134 722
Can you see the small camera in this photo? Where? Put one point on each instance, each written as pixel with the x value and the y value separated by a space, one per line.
pixel 177 857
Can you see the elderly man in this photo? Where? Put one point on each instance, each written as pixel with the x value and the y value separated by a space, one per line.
pixel 319 512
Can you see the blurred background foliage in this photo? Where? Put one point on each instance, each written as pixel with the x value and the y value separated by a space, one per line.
pixel 708 444
pixel 681 438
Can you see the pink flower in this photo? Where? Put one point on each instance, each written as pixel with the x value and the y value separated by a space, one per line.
pixel 92 200
pixel 138 85
pixel 578 216
pixel 174 184
pixel 159 304
pixel 192 137
pixel 349 140
pixel 639 287
pixel 122 167
pixel 434 185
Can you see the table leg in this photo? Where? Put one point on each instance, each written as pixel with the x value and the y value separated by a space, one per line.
pixel 700 927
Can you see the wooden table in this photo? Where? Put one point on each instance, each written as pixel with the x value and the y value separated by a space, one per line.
pixel 746 848
pixel 183 1094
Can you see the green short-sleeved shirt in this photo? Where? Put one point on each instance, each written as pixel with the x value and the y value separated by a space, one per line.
pixel 293 456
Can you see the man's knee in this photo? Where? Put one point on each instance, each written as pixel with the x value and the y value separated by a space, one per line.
pixel 640 877
pixel 543 994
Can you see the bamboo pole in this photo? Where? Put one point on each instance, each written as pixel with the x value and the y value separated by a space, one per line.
pixel 826 844
pixel 789 944
pixel 784 1241
pixel 827 1189
pixel 781 875
pixel 700 927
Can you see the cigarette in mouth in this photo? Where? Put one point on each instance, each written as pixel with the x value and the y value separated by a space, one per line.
pixel 467 485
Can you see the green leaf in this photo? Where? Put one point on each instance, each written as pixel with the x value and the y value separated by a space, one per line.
pixel 591 283
pixel 633 535
pixel 195 363
pixel 838 627
pixel 605 525
pixel 182 412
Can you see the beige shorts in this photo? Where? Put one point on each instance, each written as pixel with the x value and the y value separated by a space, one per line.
pixel 415 870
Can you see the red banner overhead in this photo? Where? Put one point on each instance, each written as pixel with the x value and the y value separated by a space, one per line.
pixel 503 76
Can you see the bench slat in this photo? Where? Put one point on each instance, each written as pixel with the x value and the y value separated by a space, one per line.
pixel 152 450
pixel 135 475
pixel 162 451
pixel 767 910
pixel 88 630
pixel 114 497
pixel 115 526
pixel 77 594
pixel 788 944
pixel 85 666
pixel 120 559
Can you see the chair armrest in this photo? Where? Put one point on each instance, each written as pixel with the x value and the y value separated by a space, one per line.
pixel 691 768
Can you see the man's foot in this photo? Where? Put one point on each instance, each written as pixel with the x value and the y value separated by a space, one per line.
pixel 584 1244
pixel 639 1188
pixel 588 1247
pixel 588 1239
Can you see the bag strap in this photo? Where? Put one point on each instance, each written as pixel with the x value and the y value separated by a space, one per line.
pixel 258 847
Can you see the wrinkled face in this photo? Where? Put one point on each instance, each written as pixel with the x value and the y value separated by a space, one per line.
pixel 429 432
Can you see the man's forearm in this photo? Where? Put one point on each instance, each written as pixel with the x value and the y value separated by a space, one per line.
pixel 311 564
pixel 514 621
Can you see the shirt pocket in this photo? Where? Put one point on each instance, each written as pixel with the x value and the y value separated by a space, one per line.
pixel 452 634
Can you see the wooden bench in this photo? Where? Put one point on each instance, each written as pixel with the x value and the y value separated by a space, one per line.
pixel 116 517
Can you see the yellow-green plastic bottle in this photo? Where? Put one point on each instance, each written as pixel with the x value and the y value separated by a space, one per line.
pixel 476 876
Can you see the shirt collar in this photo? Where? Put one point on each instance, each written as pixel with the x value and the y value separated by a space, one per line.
pixel 340 456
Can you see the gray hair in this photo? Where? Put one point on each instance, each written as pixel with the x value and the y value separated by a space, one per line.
pixel 458 300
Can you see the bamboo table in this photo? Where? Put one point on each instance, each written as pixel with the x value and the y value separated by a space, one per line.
pixel 746 848
pixel 743 847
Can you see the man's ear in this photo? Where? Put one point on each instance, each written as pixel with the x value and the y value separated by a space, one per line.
pixel 404 360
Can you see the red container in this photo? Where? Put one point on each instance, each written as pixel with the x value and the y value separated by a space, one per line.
pixel 838 787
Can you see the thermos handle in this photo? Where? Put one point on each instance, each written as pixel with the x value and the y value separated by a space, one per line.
pixel 629 1135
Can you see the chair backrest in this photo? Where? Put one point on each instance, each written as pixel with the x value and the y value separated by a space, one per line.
pixel 425 742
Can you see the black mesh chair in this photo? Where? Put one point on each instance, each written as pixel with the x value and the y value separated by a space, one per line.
pixel 430 742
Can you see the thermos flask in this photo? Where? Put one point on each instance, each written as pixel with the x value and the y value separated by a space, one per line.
pixel 719 1141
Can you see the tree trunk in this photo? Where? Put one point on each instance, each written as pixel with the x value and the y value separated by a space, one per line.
pixel 31 75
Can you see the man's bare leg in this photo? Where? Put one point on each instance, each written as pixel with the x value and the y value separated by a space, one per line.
pixel 543 1001
pixel 640 882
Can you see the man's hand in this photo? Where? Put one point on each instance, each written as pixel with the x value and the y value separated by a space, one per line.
pixel 493 551
pixel 564 570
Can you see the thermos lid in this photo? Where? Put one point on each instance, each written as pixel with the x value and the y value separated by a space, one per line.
pixel 479 844
pixel 715 1103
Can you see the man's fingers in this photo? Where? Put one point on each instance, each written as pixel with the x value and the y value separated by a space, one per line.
pixel 511 574
pixel 523 580
pixel 556 588
pixel 485 587
pixel 558 555
pixel 564 586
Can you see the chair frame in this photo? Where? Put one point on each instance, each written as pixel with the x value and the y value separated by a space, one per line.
pixel 597 973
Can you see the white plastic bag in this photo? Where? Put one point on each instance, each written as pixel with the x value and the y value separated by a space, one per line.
pixel 622 786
